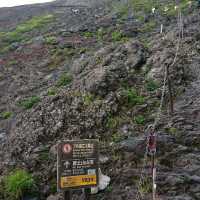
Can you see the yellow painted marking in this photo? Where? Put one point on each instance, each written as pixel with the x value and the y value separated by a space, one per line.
pixel 75 181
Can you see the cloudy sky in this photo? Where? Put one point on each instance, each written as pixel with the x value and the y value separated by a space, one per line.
pixel 9 3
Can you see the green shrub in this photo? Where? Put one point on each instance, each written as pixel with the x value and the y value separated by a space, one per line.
pixel 88 34
pixel 139 119
pixel 64 80
pixel 131 97
pixel 151 85
pixel 145 187
pixel 51 92
pixel 29 102
pixel 112 123
pixel 117 36
pixel 6 114
pixel 17 184
pixel 88 99
pixel 117 137
pixel 52 40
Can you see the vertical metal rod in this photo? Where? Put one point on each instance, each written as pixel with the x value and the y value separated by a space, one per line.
pixel 170 92
pixel 161 28
pixel 68 195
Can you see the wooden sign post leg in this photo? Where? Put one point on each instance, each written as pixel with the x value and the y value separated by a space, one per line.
pixel 68 195
pixel 87 193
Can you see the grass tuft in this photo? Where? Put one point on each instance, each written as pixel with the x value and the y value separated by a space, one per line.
pixel 29 102
pixel 17 184
pixel 65 79
pixel 131 97
pixel 6 115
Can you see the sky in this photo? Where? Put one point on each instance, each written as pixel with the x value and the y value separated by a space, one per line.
pixel 10 3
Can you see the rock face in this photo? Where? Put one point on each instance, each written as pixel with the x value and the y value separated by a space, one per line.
pixel 91 74
pixel 109 66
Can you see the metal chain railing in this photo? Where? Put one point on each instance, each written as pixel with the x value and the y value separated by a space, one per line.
pixel 139 195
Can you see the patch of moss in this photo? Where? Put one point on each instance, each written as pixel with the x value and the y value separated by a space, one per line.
pixel 30 102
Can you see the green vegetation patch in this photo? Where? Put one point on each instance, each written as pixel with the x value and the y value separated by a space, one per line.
pixel 65 79
pixel 88 99
pixel 17 35
pixel 117 137
pixel 140 119
pixel 17 184
pixel 30 102
pixel 35 22
pixel 6 115
pixel 51 40
pixel 51 91
pixel 118 36
pixel 151 85
pixel 142 8
pixel 88 34
pixel 131 97
pixel 145 187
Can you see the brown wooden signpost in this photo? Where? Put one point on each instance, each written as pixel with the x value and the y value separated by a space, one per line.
pixel 78 164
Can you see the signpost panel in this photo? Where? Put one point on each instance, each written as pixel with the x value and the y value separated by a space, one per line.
pixel 78 163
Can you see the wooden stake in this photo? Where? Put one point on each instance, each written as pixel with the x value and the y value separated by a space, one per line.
pixel 68 195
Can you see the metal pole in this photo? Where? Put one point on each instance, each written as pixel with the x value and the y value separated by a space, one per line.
pixel 87 193
pixel 68 195
pixel 153 178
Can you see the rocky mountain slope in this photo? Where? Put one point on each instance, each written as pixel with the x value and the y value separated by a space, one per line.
pixel 90 69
